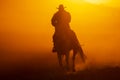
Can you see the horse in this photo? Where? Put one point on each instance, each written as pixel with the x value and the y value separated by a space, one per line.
pixel 64 43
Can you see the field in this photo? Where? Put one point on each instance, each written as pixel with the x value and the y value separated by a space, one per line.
pixel 30 66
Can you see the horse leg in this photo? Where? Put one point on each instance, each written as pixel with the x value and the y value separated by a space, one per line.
pixel 60 59
pixel 67 60
pixel 73 58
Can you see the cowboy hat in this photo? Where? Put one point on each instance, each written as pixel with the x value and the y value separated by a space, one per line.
pixel 61 6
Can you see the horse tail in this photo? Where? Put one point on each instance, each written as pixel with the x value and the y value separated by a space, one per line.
pixel 80 51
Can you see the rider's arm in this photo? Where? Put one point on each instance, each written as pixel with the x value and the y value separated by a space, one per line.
pixel 53 20
pixel 69 17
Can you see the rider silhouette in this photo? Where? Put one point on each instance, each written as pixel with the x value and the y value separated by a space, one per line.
pixel 60 21
pixel 61 18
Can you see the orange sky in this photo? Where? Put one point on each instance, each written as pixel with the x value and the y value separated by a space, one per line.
pixel 25 25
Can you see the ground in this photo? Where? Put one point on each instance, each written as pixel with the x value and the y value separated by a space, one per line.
pixel 47 68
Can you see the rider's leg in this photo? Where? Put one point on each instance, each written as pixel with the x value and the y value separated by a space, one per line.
pixel 54 38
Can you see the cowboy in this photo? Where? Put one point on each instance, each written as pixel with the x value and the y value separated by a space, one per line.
pixel 60 21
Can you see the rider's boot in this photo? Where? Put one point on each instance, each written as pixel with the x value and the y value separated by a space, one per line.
pixel 54 50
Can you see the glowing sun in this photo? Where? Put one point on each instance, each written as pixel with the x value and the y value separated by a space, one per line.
pixel 95 1
pixel 90 1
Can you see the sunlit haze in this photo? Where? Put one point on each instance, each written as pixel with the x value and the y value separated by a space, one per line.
pixel 25 25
